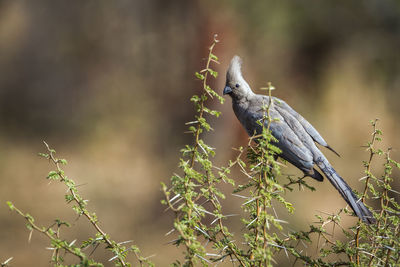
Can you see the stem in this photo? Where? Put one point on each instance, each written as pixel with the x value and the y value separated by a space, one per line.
pixel 384 197
pixel 82 208
pixel 203 99
pixel 368 170
pixel 371 155
pixel 47 233
pixel 188 242
pixel 263 185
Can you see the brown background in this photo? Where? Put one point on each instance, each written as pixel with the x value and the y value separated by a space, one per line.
pixel 107 84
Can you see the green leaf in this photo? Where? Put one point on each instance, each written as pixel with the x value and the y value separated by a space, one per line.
pixel 10 205
pixel 213 73
pixel 199 76
pixel 44 155
pixel 53 175
pixel 63 161
pixel 214 57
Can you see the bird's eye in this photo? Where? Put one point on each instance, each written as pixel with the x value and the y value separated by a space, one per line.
pixel 237 85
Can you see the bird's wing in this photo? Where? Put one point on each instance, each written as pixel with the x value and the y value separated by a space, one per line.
pixel 293 149
pixel 315 135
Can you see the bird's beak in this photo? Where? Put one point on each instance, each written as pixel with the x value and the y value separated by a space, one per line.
pixel 227 90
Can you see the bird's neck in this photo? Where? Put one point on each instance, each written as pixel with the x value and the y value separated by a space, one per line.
pixel 244 95
pixel 242 99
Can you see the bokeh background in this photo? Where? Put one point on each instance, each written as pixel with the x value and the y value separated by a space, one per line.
pixel 107 84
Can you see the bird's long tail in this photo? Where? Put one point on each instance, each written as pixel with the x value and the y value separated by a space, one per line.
pixel 344 189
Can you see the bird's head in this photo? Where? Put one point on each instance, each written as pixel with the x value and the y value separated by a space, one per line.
pixel 235 85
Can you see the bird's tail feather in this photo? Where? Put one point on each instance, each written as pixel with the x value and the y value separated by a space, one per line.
pixel 347 193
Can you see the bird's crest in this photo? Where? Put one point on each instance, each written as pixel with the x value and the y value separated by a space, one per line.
pixel 234 70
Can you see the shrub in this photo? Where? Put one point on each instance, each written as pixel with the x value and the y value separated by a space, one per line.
pixel 194 196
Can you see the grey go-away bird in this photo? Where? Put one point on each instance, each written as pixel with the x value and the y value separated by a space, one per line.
pixel 296 136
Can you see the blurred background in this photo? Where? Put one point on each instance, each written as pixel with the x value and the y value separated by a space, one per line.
pixel 107 84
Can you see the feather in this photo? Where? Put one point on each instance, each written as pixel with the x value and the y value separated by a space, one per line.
pixel 296 137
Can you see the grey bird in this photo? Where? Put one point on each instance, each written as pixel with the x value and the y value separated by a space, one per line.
pixel 296 136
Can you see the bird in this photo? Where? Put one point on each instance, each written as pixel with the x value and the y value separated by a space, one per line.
pixel 296 137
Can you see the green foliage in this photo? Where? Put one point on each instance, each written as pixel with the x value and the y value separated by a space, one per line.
pixel 61 246
pixel 200 224
pixel 365 245
pixel 194 197
pixel 193 193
